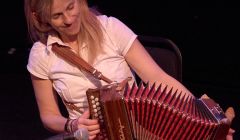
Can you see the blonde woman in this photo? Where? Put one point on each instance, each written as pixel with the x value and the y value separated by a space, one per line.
pixel 104 42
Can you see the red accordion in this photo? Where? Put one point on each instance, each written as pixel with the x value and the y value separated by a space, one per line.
pixel 151 113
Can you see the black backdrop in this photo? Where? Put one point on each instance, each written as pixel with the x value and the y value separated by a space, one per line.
pixel 205 32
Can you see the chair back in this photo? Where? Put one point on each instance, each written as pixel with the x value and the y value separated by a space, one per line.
pixel 166 54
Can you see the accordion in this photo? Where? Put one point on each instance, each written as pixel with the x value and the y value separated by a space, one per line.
pixel 143 112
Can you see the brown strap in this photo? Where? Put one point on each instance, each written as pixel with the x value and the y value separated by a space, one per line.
pixel 71 57
pixel 73 107
pixel 122 84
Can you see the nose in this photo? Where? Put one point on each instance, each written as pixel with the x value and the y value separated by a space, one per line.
pixel 67 18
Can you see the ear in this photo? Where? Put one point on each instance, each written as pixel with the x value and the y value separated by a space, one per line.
pixel 34 14
pixel 39 24
pixel 35 17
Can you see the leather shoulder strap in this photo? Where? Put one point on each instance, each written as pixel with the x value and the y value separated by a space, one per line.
pixel 71 57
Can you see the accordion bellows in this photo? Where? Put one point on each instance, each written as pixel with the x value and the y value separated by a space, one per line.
pixel 151 113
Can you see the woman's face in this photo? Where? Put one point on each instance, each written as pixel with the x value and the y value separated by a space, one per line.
pixel 65 17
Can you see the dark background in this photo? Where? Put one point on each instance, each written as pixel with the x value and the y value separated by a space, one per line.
pixel 206 32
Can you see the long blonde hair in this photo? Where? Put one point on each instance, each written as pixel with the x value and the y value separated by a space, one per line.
pixel 37 14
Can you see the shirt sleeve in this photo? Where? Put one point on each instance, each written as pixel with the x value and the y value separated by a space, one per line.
pixel 38 61
pixel 121 35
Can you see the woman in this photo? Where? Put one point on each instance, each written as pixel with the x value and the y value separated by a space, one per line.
pixel 104 42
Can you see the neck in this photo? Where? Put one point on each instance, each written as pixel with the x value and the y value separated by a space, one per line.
pixel 69 38
pixel 71 41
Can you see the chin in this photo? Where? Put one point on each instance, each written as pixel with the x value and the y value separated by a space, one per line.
pixel 72 33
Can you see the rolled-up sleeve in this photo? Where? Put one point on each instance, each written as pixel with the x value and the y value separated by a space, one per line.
pixel 121 35
pixel 37 61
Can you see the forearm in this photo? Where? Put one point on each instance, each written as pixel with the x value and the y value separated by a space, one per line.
pixel 159 77
pixel 148 70
pixel 48 105
pixel 173 84
pixel 54 123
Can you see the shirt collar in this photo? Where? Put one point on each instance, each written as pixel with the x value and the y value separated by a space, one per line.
pixel 54 38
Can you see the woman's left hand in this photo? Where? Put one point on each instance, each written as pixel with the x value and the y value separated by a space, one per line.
pixel 230 134
pixel 230 114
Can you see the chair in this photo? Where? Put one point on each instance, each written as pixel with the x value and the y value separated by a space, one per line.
pixel 166 54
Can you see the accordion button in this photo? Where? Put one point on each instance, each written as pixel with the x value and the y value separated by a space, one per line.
pixel 95 110
pixel 93 102
pixel 94 106
pixel 92 97
pixel 96 99
pixel 97 103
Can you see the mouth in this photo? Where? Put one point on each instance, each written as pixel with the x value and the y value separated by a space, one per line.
pixel 69 27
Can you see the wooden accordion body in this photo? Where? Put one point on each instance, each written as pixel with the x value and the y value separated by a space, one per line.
pixel 150 113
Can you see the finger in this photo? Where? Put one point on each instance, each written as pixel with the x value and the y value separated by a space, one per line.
pixel 93 127
pixel 85 114
pixel 92 137
pixel 230 114
pixel 231 131
pixel 230 134
pixel 204 96
pixel 94 132
pixel 87 122
pixel 229 137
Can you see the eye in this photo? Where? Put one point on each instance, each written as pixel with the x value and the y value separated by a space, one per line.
pixel 56 16
pixel 70 7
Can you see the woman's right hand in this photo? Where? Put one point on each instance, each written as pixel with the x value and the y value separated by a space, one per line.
pixel 84 122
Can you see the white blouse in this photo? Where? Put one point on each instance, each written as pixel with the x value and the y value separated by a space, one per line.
pixel 70 82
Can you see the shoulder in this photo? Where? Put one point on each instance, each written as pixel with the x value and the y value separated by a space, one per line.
pixel 38 51
pixel 117 33
pixel 38 60
pixel 109 21
pixel 37 46
pixel 114 27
